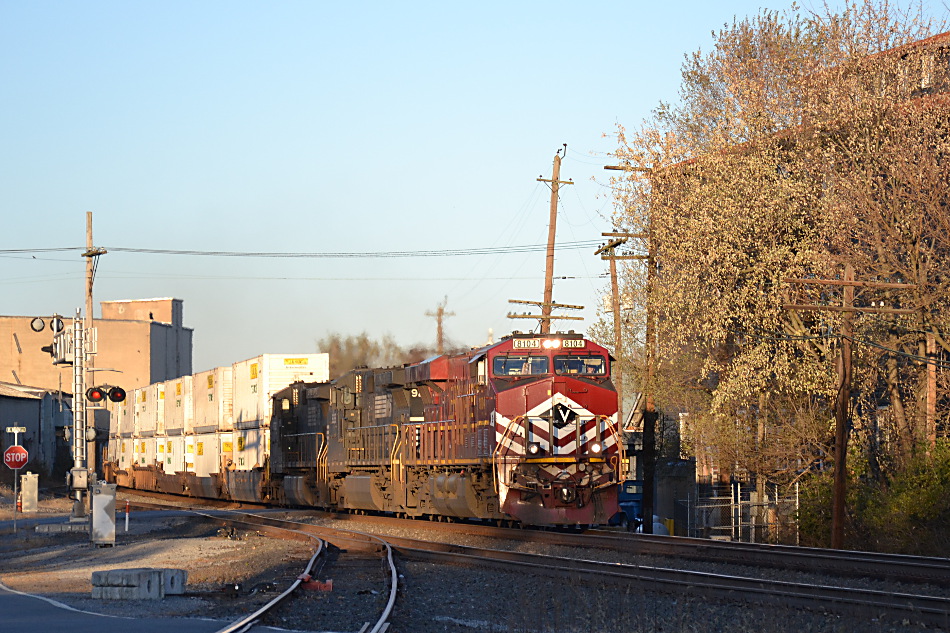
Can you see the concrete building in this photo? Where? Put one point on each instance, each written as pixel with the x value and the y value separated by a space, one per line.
pixel 144 340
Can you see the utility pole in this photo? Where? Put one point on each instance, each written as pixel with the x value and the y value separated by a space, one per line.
pixel 608 252
pixel 555 182
pixel 842 414
pixel 547 305
pixel 92 261
pixel 84 421
pixel 439 315
pixel 843 398
pixel 545 319
pixel 650 414
pixel 931 351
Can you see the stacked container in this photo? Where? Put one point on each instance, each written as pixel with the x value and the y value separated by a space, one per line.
pixel 255 381
pixel 211 392
pixel 179 407
pixel 216 419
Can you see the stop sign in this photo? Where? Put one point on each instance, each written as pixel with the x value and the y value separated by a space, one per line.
pixel 16 457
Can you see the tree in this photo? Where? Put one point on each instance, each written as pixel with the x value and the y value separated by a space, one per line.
pixel 800 142
pixel 351 351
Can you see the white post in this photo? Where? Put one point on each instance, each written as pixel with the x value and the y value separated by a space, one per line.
pixel 16 481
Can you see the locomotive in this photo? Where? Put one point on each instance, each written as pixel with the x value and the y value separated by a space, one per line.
pixel 523 430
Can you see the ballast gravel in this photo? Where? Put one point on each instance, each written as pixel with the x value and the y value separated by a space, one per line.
pixel 431 598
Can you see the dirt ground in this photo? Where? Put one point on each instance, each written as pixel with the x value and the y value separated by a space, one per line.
pixel 227 570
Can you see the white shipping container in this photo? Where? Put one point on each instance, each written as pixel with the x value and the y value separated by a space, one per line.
pixel 206 454
pixel 251 448
pixel 124 454
pixel 190 453
pixel 211 392
pixel 226 452
pixel 138 410
pixel 143 451
pixel 154 408
pixel 120 418
pixel 179 406
pixel 257 379
pixel 174 454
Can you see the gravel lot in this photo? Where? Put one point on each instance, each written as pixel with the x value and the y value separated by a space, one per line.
pixel 432 598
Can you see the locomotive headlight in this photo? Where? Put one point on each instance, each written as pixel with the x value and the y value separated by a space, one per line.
pixel 551 343
pixel 534 449
pixel 596 448
pixel 567 495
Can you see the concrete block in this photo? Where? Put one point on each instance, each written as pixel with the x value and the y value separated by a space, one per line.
pixel 128 584
pixel 122 593
pixel 174 581
pixel 138 584
pixel 56 528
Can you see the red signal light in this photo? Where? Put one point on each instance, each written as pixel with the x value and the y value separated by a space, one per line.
pixel 95 394
pixel 117 394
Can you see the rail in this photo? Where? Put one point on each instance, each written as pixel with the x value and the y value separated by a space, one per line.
pixel 356 539
pixel 246 622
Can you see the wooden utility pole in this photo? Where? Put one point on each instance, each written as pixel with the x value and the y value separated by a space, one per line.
pixel 842 414
pixel 843 398
pixel 608 252
pixel 440 314
pixel 650 414
pixel 92 254
pixel 931 431
pixel 545 319
pixel 555 182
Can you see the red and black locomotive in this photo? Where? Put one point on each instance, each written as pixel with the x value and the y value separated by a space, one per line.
pixel 521 430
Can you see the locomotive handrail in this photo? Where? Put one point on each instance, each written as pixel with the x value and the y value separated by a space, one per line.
pixel 621 450
pixel 322 468
pixel 397 443
pixel 494 456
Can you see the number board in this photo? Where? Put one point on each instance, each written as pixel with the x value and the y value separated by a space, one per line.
pixel 526 343
pixel 576 343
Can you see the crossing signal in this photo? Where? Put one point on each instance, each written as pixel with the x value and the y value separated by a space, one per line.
pixel 98 394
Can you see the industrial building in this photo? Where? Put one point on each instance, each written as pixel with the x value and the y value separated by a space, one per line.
pixel 144 341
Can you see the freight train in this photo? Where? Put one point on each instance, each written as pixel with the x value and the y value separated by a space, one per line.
pixel 523 430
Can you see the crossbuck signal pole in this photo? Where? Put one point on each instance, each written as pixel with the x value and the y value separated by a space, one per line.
pixel 843 399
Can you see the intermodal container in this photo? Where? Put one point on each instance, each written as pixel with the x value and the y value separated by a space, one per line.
pixel 257 379
pixel 211 393
pixel 179 406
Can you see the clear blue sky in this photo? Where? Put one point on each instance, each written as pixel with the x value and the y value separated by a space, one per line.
pixel 321 127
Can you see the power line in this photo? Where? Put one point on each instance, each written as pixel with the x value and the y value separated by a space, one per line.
pixel 40 250
pixel 458 252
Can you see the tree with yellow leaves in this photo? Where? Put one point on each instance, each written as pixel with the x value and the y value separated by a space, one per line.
pixel 801 143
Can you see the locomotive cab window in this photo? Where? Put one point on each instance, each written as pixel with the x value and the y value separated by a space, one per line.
pixel 520 365
pixel 581 365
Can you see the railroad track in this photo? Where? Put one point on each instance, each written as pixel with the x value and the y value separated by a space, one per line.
pixel 277 528
pixel 892 567
pixel 866 603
